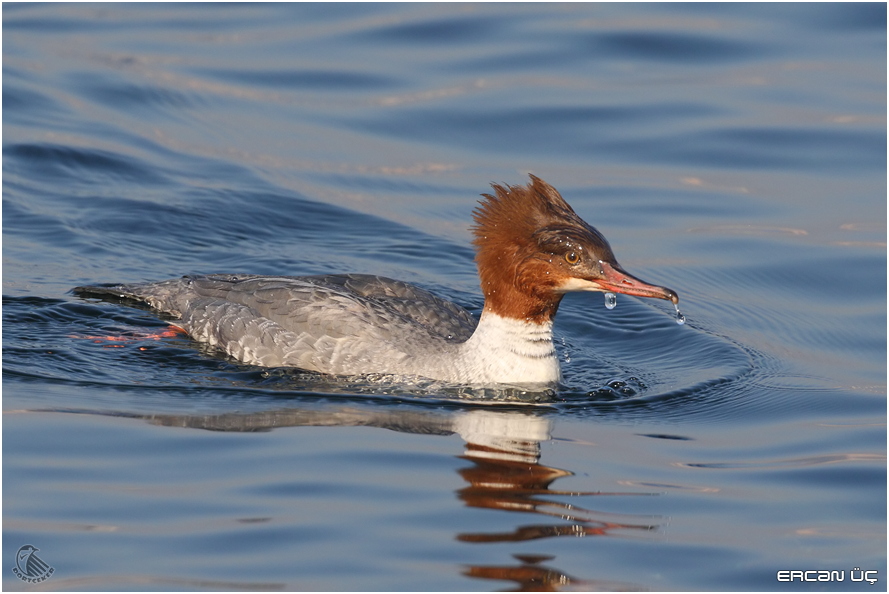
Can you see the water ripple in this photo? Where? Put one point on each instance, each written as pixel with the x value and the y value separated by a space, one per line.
pixel 685 48
pixel 67 162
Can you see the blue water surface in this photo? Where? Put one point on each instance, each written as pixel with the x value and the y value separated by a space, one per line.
pixel 735 153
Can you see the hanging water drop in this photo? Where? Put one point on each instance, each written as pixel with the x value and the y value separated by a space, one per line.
pixel 610 300
pixel 680 319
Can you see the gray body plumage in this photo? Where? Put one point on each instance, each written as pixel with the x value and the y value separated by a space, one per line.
pixel 333 323
pixel 348 324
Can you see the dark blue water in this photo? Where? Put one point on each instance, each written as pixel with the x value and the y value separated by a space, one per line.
pixel 735 153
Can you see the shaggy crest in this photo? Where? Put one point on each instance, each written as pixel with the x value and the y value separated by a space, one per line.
pixel 512 227
pixel 516 213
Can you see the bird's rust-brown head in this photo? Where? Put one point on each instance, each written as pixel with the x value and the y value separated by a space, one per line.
pixel 532 248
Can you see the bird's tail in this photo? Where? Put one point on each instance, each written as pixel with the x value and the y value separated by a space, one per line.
pixel 167 296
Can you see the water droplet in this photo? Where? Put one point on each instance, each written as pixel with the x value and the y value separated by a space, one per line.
pixel 611 300
pixel 680 319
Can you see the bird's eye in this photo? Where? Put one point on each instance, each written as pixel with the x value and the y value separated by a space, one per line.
pixel 572 258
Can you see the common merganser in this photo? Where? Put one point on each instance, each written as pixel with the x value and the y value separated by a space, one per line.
pixel 531 249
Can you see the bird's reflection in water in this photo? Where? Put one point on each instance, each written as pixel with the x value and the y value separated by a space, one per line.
pixel 531 575
pixel 505 474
